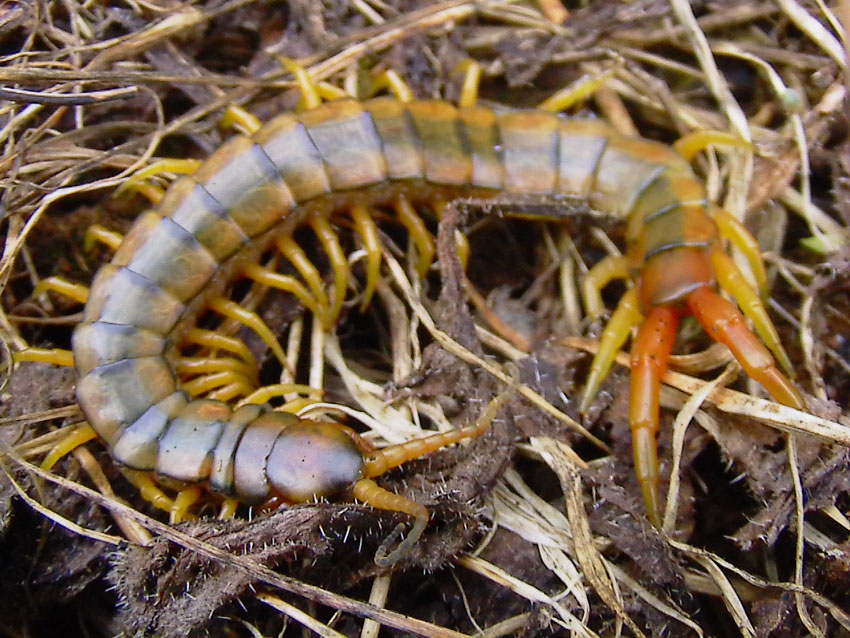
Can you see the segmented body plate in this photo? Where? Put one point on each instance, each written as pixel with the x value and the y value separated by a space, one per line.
pixel 255 189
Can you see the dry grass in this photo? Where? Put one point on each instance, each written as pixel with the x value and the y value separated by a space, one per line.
pixel 756 527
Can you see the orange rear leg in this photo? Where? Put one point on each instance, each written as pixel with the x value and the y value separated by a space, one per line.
pixel 650 354
pixel 725 324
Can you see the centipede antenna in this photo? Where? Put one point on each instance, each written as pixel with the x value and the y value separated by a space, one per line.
pixel 393 456
pixel 369 492
pixel 368 232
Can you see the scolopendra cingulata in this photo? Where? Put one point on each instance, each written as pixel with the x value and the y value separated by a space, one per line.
pixel 249 197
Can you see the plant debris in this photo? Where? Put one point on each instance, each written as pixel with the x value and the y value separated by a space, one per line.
pixel 537 527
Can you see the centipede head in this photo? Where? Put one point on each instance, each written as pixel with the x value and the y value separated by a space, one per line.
pixel 313 459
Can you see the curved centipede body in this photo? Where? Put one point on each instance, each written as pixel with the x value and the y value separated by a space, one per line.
pixel 255 190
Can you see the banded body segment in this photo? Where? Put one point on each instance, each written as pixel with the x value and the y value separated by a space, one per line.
pixel 137 446
pixel 250 479
pixel 442 138
pixel 581 147
pixel 297 160
pixel 96 344
pixel 246 183
pixel 530 147
pixel 360 161
pixel 174 260
pixel 115 395
pixel 485 143
pixel 343 155
pixel 188 204
pixel 186 446
pixel 222 473
pixel 401 144
pixel 628 166
pixel 120 296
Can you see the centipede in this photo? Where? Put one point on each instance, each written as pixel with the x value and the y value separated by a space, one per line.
pixel 348 156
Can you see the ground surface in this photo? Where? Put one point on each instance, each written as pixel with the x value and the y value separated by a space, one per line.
pixel 113 86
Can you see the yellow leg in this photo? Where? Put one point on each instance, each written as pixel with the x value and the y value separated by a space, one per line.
pixel 227 393
pixel 228 509
pixel 330 243
pixel 193 366
pixel 199 386
pixel 83 434
pixel 391 80
pixel 368 231
pixel 609 268
pixel 283 282
pixel 236 117
pixel 97 233
pixel 692 143
pixel 215 341
pixel 292 251
pixel 733 230
pixel 234 311
pixel 575 93
pixel 149 490
pixel 185 498
pixel 422 239
pixel 136 182
pixel 625 317
pixel 56 356
pixel 310 97
pixel 732 280
pixel 471 81
pixel 267 392
pixel 77 292
pixel 329 92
